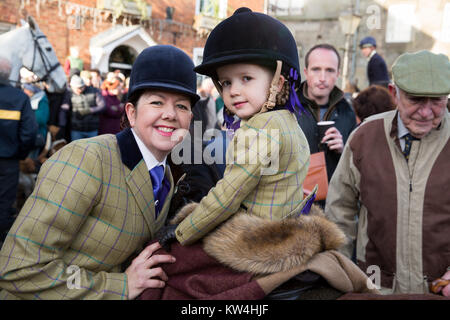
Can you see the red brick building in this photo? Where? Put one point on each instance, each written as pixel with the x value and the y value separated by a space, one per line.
pixel 107 40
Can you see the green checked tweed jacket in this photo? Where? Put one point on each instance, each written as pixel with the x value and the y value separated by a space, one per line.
pixel 91 209
pixel 267 161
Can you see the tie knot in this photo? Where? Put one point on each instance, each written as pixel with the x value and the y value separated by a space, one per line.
pixel 410 137
pixel 408 143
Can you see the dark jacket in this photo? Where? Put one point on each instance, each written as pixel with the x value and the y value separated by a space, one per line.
pixel 377 72
pixel 339 111
pixel 200 176
pixel 86 118
pixel 18 126
pixel 110 117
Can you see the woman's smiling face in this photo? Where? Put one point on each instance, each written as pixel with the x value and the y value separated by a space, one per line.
pixel 161 119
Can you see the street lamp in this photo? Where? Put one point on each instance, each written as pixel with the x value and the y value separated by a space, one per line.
pixel 349 21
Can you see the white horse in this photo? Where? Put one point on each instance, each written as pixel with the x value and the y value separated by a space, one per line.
pixel 28 47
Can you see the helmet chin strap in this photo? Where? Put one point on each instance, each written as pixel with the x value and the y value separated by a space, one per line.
pixel 217 85
pixel 273 90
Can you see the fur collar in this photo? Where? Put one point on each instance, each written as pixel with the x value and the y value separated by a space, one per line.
pixel 251 244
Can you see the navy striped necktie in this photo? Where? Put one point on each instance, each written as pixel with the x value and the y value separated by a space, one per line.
pixel 408 143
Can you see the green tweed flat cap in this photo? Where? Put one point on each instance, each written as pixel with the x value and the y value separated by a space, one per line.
pixel 422 73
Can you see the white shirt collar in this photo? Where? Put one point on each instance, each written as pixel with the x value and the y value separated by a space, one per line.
pixel 149 158
pixel 402 130
pixel 371 54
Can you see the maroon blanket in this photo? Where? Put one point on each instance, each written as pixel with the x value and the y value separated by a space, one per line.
pixel 195 275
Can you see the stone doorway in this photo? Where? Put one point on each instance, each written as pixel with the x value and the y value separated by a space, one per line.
pixel 122 59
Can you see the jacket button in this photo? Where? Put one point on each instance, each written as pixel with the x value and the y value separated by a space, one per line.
pixel 179 233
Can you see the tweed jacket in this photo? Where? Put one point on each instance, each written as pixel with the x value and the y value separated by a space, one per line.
pixel 403 206
pixel 267 161
pixel 92 208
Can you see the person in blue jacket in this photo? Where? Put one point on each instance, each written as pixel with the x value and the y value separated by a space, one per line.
pixel 377 72
pixel 18 129
pixel 41 109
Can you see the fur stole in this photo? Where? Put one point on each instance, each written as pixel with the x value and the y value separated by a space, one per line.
pixel 251 244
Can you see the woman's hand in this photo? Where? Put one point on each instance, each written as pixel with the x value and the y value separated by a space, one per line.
pixel 143 274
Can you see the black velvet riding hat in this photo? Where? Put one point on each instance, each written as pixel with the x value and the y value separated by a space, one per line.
pixel 164 67
pixel 248 36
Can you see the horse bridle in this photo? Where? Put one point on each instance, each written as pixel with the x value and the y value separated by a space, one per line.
pixel 47 65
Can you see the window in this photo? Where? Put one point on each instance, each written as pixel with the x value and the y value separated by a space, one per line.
pixel 214 8
pixel 401 18
pixel 197 58
pixel 286 7
pixel 5 27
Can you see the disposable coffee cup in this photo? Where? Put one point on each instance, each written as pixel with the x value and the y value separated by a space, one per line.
pixel 324 126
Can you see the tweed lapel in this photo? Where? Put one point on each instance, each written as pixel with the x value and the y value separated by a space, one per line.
pixel 138 180
pixel 140 185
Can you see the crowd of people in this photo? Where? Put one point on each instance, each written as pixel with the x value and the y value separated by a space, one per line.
pixel 91 105
pixel 107 197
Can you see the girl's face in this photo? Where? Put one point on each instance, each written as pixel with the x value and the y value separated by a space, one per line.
pixel 161 119
pixel 245 87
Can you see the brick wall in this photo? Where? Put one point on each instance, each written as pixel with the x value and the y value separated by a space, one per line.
pixel 8 11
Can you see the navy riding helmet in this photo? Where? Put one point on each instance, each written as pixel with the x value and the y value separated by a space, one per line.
pixel 164 67
pixel 248 36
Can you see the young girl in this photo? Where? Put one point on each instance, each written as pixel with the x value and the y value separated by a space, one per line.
pixel 252 58
pixel 97 201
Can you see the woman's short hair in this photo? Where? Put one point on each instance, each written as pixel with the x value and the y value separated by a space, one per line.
pixel 375 99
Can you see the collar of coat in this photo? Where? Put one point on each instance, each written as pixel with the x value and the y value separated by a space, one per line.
pixel 374 52
pixel 248 243
pixel 129 150
pixel 335 96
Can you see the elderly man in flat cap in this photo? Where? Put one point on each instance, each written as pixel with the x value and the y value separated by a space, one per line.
pixel 389 192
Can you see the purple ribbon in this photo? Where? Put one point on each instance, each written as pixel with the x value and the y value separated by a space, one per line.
pixel 229 121
pixel 236 125
pixel 227 118
pixel 293 98
pixel 308 205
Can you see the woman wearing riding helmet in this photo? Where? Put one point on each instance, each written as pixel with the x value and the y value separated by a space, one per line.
pixel 253 61
pixel 97 201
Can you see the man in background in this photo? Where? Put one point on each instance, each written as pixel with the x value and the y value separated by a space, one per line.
pixel 377 72
pixel 324 101
pixel 18 129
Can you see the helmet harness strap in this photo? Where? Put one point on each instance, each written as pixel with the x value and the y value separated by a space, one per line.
pixel 273 90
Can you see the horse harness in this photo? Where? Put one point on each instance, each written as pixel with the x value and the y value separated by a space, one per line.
pixel 47 65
